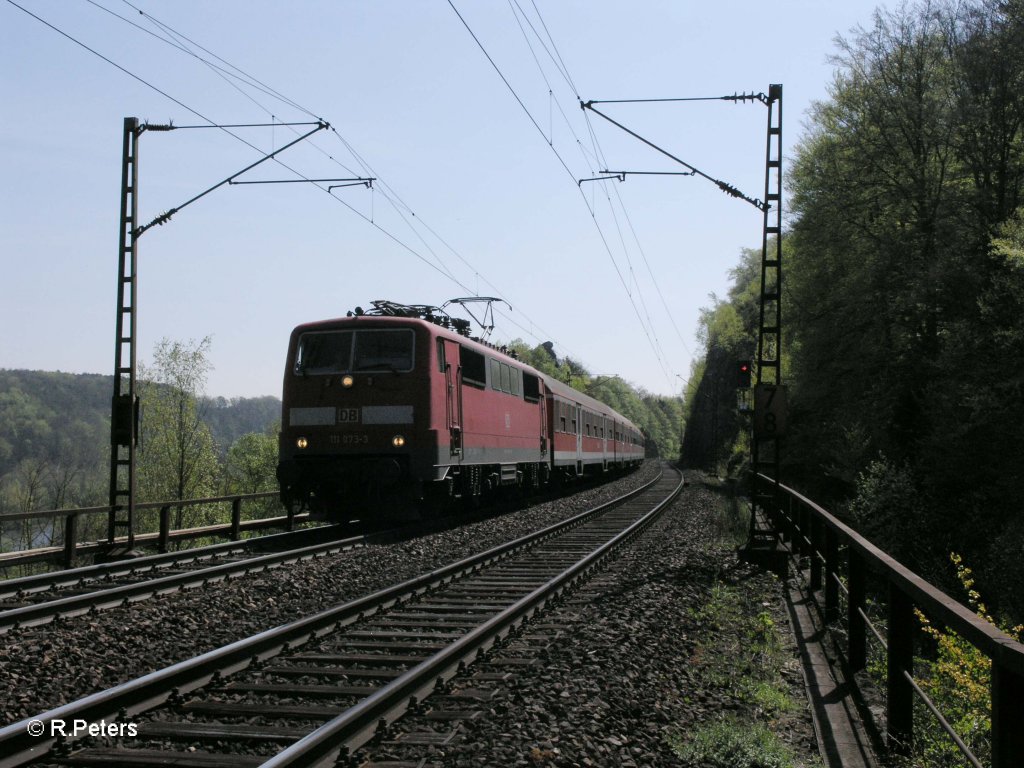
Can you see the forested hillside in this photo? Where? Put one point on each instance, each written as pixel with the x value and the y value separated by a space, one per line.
pixel 55 435
pixel 903 296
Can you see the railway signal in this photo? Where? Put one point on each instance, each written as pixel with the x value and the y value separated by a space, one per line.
pixel 743 369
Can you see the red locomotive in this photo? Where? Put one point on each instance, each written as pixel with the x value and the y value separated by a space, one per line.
pixel 399 404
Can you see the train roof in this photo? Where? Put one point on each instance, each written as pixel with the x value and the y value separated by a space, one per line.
pixel 553 385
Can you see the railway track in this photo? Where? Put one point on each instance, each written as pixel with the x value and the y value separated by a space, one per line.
pixel 360 667
pixel 36 600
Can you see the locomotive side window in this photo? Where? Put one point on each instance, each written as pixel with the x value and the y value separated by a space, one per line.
pixel 474 367
pixel 327 352
pixel 383 350
pixel 505 375
pixel 495 375
pixel 440 355
pixel 514 381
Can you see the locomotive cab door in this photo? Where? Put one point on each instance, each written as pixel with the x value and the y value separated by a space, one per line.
pixel 603 420
pixel 453 394
pixel 579 439
pixel 543 402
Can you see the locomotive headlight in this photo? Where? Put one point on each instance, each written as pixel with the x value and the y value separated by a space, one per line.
pixel 398 441
pixel 302 442
pixel 347 381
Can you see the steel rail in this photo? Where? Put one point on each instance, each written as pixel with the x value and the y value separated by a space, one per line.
pixel 18 746
pixel 75 605
pixel 358 724
pixel 67 554
pixel 74 577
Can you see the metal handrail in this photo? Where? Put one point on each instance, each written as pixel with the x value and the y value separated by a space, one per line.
pixel 71 548
pixel 9 516
pixel 812 528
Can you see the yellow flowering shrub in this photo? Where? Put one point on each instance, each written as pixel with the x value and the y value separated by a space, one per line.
pixel 958 681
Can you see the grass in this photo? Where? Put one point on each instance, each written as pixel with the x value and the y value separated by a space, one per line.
pixel 743 654
pixel 733 744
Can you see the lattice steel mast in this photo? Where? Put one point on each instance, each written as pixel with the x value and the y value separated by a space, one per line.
pixel 769 396
pixel 124 410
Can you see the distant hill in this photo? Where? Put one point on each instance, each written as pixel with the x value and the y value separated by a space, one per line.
pixel 44 414
pixel 230 419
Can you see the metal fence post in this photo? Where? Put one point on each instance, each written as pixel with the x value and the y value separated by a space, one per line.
pixel 70 539
pixel 791 526
pixel 831 575
pixel 165 529
pixel 900 694
pixel 803 535
pixel 815 537
pixel 857 639
pixel 236 517
pixel 1007 717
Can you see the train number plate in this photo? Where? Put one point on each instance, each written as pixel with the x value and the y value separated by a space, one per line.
pixel 350 439
pixel 348 415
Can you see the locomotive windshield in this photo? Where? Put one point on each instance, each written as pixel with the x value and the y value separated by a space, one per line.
pixel 361 351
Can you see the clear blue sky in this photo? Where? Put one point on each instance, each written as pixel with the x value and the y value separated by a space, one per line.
pixel 468 186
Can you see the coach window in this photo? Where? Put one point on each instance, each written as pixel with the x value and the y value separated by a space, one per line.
pixel 474 367
pixel 531 388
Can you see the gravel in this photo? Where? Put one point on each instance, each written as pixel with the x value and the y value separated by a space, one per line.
pixel 632 667
pixel 623 665
pixel 44 667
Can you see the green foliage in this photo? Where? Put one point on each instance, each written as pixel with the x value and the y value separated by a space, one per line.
pixel 252 462
pixel 716 433
pixel 903 296
pixel 739 653
pixel 177 459
pixel 1009 243
pixel 887 509
pixel 50 425
pixel 232 418
pixel 733 744
pixel 957 678
pixel 55 433
pixel 743 653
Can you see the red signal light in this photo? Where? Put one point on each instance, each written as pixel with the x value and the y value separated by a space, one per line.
pixel 743 374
